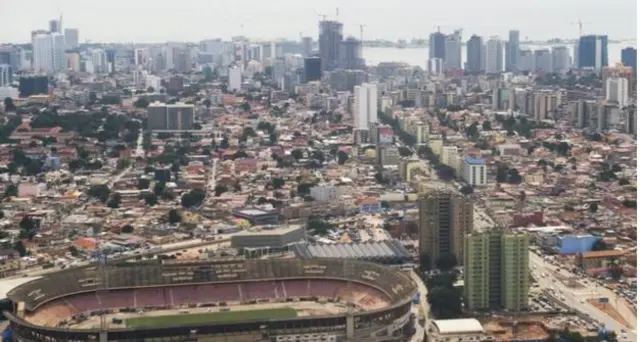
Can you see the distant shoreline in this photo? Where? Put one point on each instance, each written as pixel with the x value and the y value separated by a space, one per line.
pixel 392 45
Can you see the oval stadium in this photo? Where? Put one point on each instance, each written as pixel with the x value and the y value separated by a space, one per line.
pixel 215 300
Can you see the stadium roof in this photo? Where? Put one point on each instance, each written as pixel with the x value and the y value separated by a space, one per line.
pixel 384 251
pixel 7 285
pixel 458 326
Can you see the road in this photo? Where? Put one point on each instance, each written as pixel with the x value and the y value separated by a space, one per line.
pixel 212 177
pixel 424 307
pixel 139 150
pixel 578 298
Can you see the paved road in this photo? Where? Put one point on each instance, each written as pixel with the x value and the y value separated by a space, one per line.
pixel 424 306
pixel 578 298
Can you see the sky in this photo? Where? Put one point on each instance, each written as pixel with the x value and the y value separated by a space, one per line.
pixel 194 20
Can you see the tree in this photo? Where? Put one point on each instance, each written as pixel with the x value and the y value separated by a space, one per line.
pixel 384 205
pixel 486 125
pixel 593 207
pixel 342 157
pixel 27 228
pixel 114 202
pixel 277 183
pixel 141 102
pixel 11 191
pixel 404 151
pixel 151 90
pixel 158 188
pixel 174 216
pixel 446 262
pixel 143 184
pixel 246 107
pixel 445 302
pixel 599 245
pixel 219 190
pixel 123 164
pixel 466 190
pixel 100 192
pixel 19 247
pixel 9 106
pixel 297 154
pixel 127 229
pixel 151 199
pixel 318 225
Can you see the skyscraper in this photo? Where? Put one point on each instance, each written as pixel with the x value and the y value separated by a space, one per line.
pixel 513 51
pixel 54 26
pixel 57 45
pixel 494 57
pixel 42 58
pixel 436 45
pixel 365 105
pixel 445 218
pixel 329 41
pixel 307 46
pixel 71 38
pixel 312 69
pixel 629 57
pixel 453 52
pixel 593 52
pixel 474 54
pixel 350 55
pixel 496 271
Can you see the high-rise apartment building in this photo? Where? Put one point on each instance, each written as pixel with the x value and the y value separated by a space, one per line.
pixel 494 58
pixel 365 105
pixel 6 75
pixel 329 42
pixel 543 61
pixel 496 271
pixel 162 116
pixel 307 46
pixel 545 104
pixel 445 218
pixel 235 78
pixel 617 90
pixel 453 52
pixel 512 54
pixel 71 38
pixel 593 52
pixel 350 56
pixel 527 61
pixel 436 45
pixel 99 61
pixel 561 59
pixel 42 58
pixel 475 47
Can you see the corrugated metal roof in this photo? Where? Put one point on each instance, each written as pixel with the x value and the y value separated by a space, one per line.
pixel 383 251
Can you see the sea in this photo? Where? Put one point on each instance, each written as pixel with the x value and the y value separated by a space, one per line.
pixel 419 56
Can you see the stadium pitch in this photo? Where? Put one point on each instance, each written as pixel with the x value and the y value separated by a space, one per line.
pixel 210 317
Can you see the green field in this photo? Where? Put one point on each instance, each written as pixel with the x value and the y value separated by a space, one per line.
pixel 208 317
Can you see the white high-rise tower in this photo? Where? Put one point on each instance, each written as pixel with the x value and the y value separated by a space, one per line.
pixel 365 108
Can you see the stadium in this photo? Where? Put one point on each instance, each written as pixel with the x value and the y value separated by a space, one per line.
pixel 215 300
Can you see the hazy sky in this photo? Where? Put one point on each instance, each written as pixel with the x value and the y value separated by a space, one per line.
pixel 193 20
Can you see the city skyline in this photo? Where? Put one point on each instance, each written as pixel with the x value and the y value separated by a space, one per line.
pixel 147 22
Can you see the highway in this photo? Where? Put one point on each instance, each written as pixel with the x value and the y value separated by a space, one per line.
pixel 577 298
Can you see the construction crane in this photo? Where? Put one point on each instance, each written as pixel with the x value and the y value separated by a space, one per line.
pixel 362 33
pixel 580 24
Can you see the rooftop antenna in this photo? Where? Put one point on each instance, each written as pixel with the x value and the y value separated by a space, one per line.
pixel 361 33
